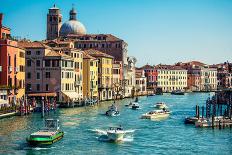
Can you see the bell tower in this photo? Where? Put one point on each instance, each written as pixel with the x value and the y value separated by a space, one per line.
pixel 54 22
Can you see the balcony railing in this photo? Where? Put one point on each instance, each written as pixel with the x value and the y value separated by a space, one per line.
pixel 16 91
pixel 16 69
pixel 10 69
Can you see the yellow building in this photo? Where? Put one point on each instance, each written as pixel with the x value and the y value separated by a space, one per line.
pixel 90 76
pixel 20 76
pixel 105 75
pixel 171 78
pixel 77 56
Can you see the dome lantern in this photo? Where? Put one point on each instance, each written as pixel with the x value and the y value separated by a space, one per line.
pixel 73 13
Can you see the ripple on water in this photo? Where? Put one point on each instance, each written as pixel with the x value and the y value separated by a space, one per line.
pixel 169 136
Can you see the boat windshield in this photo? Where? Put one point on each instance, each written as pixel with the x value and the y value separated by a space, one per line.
pixel 51 124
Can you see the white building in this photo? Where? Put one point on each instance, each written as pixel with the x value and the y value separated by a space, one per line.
pixel 171 78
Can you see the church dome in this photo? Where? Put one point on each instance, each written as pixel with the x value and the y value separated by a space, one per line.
pixel 72 27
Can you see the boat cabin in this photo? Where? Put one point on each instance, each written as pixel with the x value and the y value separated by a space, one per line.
pixel 52 124
pixel 115 128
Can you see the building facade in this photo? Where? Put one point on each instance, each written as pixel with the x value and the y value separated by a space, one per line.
pixel 105 75
pixel 117 79
pixel 12 65
pixel 90 76
pixel 151 75
pixel 171 78
pixel 48 71
pixel 141 82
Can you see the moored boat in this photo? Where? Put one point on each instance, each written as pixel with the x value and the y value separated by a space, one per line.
pixel 177 92
pixel 47 136
pixel 190 120
pixel 156 114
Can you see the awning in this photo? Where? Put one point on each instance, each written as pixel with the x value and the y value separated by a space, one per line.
pixel 71 95
pixel 42 95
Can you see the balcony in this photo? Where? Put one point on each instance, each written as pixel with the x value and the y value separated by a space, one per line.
pixel 16 70
pixel 16 91
pixel 10 69
pixel 10 91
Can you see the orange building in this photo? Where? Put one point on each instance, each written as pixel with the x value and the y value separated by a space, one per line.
pixel 12 64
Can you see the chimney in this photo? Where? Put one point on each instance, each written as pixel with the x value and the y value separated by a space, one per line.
pixel 1 18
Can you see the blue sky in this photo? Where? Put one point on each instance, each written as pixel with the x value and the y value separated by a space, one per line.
pixel 157 31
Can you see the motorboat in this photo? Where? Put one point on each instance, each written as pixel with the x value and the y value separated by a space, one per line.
pixel 161 105
pixel 190 120
pixel 177 92
pixel 156 114
pixel 112 110
pixel 135 106
pixel 47 136
pixel 115 134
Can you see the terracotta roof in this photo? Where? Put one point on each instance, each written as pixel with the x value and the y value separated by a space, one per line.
pixel 96 53
pixel 56 54
pixel 53 54
pixel 87 56
pixel 94 37
pixel 169 67
pixel 35 44
pixel 147 66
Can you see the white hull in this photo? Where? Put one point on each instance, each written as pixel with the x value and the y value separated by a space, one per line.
pixel 114 136
pixel 154 116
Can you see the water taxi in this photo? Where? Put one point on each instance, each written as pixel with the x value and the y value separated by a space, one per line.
pixel 156 114
pixel 47 136
pixel 115 134
pixel 112 110
pixel 135 106
pixel 160 105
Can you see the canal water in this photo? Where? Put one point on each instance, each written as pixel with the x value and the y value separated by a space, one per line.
pixel 82 127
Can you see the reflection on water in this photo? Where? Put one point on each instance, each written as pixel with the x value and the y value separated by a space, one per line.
pixel 9 125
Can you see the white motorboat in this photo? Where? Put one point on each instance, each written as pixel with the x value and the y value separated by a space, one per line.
pixel 115 134
pixel 135 106
pixel 156 114
pixel 161 105
pixel 112 110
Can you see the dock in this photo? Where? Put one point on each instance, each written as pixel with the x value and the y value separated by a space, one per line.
pixel 216 114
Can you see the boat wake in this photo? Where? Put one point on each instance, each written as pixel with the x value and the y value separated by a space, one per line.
pixel 99 131
pixel 104 138
pixel 39 148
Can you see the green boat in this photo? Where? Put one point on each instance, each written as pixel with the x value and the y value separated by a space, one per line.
pixel 47 136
